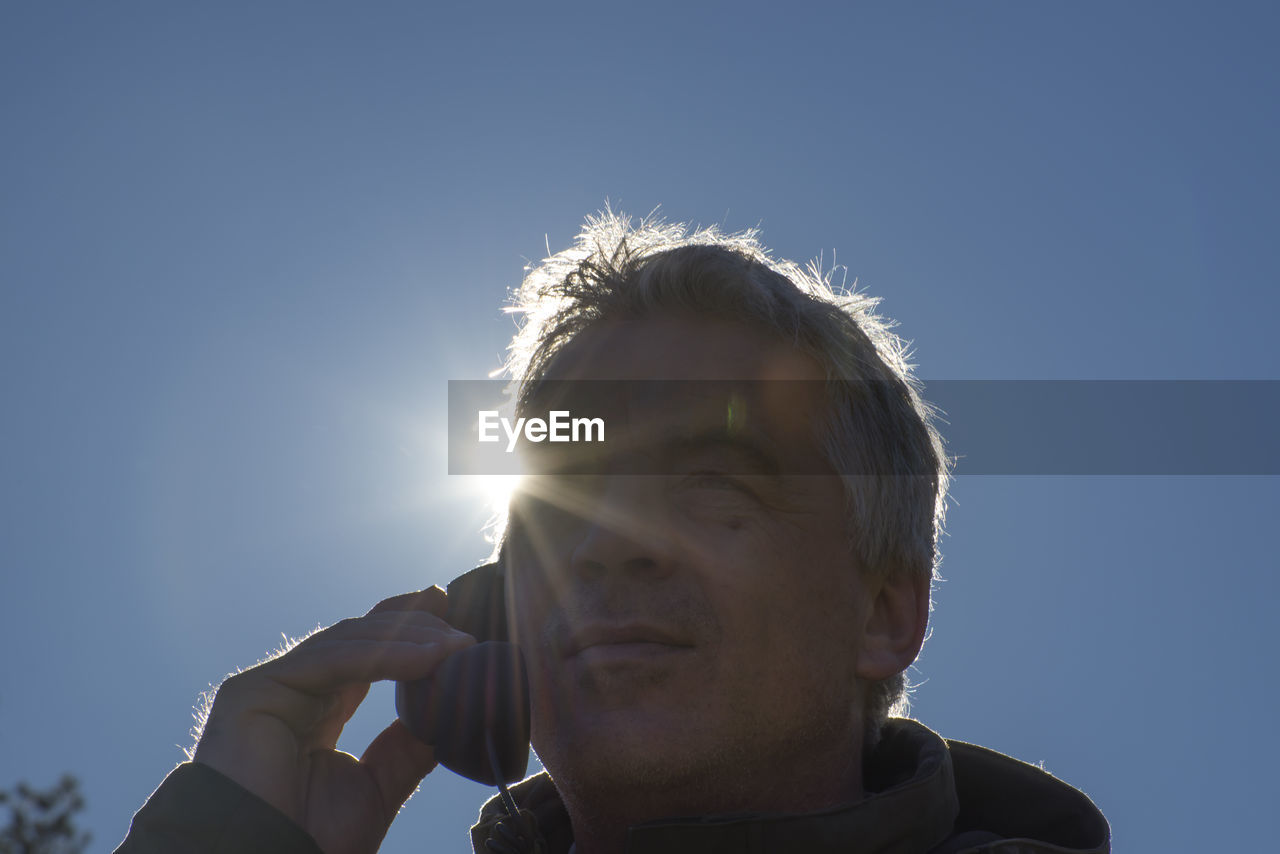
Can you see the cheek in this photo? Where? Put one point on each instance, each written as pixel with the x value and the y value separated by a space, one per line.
pixel 784 604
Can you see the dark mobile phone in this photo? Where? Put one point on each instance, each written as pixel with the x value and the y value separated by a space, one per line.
pixel 474 710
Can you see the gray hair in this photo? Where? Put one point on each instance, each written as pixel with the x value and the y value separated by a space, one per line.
pixel 879 433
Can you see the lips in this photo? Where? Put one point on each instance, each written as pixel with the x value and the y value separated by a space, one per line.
pixel 600 635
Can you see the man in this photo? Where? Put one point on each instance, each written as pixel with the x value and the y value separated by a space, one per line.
pixel 716 611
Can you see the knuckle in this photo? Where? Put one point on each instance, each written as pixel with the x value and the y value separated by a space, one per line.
pixel 234 686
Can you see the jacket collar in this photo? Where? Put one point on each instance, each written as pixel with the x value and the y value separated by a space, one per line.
pixel 916 799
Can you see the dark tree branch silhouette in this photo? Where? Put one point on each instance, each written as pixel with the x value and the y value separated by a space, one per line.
pixel 43 821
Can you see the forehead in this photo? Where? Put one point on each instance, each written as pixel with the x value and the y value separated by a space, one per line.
pixel 674 384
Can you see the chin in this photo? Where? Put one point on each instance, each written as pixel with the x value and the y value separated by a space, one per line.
pixel 662 755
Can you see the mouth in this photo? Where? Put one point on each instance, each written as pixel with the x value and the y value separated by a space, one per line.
pixel 625 641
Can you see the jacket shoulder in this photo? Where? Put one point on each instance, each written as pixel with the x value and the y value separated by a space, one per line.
pixel 1007 805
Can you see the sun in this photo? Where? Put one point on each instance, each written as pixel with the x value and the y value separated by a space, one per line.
pixel 495 489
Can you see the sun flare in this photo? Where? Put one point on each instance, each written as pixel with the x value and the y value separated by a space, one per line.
pixel 495 489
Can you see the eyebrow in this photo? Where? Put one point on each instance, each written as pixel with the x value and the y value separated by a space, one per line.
pixel 756 457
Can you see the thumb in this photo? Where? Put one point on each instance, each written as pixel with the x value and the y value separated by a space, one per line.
pixel 397 761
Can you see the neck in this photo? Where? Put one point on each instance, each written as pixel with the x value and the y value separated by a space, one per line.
pixel 601 814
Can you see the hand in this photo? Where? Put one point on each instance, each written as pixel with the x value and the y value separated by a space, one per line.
pixel 273 728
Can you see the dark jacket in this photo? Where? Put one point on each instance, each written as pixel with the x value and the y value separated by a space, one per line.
pixel 925 795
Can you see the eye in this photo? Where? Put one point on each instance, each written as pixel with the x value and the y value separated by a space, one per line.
pixel 717 489
pixel 716 498
pixel 713 480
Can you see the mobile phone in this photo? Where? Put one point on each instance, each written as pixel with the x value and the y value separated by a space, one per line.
pixel 474 710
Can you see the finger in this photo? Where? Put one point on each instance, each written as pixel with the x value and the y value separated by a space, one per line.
pixel 398 762
pixel 432 600
pixel 412 626
pixel 329 664
pixel 325 734
pixel 253 692
pixel 302 685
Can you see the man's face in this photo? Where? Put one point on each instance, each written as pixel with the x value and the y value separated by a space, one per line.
pixel 693 620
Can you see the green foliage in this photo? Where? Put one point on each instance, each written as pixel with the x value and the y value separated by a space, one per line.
pixel 42 821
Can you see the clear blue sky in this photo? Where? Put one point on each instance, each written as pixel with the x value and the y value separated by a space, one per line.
pixel 244 246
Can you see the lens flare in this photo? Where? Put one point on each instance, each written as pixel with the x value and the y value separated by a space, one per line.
pixel 495 489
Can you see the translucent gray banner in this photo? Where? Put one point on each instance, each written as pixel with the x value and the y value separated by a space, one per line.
pixel 1000 427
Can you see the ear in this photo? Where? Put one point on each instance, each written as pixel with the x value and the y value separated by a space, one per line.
pixel 895 624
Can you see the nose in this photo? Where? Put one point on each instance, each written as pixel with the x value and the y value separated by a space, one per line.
pixel 624 531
